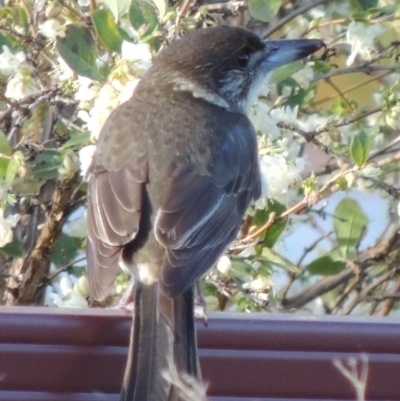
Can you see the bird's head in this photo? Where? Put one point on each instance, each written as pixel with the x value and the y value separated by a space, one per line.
pixel 226 65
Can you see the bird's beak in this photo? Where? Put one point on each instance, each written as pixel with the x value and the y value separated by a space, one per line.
pixel 281 52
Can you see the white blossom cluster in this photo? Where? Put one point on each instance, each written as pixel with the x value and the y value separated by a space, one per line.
pixel 97 101
pixel 6 226
pixel 67 291
pixel 280 165
pixel 18 72
pixel 279 149
pixel 361 39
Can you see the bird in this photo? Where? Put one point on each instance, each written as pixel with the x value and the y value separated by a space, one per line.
pixel 174 171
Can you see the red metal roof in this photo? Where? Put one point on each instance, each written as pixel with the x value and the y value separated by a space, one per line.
pixel 79 355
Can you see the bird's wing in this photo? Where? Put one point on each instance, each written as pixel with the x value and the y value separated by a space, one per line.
pixel 118 173
pixel 202 212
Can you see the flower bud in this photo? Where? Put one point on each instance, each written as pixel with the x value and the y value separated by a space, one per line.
pixel 53 10
pixel 335 135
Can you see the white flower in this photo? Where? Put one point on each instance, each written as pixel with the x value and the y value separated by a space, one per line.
pixel 127 91
pixel 6 224
pixel 68 293
pixel 20 86
pixel 139 53
pixel 286 114
pixel 224 264
pixel 82 287
pixel 288 148
pixel 51 28
pixel 87 91
pixel 85 157
pixel 277 175
pixel 106 101
pixel 63 72
pixel 135 51
pixel 66 286
pixel 312 122
pixel 83 115
pixel 258 285
pixel 263 122
pixel 393 117
pixel 9 62
pixel 102 60
pixel 361 38
pixel 304 77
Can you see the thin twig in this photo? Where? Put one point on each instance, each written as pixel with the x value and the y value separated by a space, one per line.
pixel 64 268
pixel 301 10
pixel 366 68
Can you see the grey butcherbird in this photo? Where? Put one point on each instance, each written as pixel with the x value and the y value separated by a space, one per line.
pixel 174 171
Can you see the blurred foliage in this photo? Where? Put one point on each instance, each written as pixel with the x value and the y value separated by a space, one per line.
pixel 65 65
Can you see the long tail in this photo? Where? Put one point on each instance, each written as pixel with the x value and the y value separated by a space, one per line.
pixel 163 336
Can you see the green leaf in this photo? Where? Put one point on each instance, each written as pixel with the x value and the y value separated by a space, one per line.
pixel 264 10
pixel 13 249
pixel 326 266
pixel 288 82
pixel 265 267
pixel 13 166
pixel 46 164
pixel 241 267
pixel 79 51
pixel 286 71
pixel 9 41
pixel 76 140
pixel 298 96
pixel 350 225
pixel 360 148
pixel 107 30
pixel 78 271
pixel 12 169
pixel 23 18
pixel 4 162
pixel 321 67
pixel 262 216
pixel 26 185
pixel 366 4
pixel 276 259
pixel 143 14
pixel 117 7
pixel 136 17
pixel 65 250
pixel 5 147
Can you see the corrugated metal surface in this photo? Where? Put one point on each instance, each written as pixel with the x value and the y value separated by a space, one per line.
pixel 79 355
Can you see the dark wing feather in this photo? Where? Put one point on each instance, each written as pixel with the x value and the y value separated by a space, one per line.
pixel 118 173
pixel 202 213
pixel 113 221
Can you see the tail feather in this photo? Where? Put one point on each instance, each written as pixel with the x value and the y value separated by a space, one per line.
pixel 163 335
pixel 185 344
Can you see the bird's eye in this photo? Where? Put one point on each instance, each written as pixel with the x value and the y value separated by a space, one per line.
pixel 243 59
